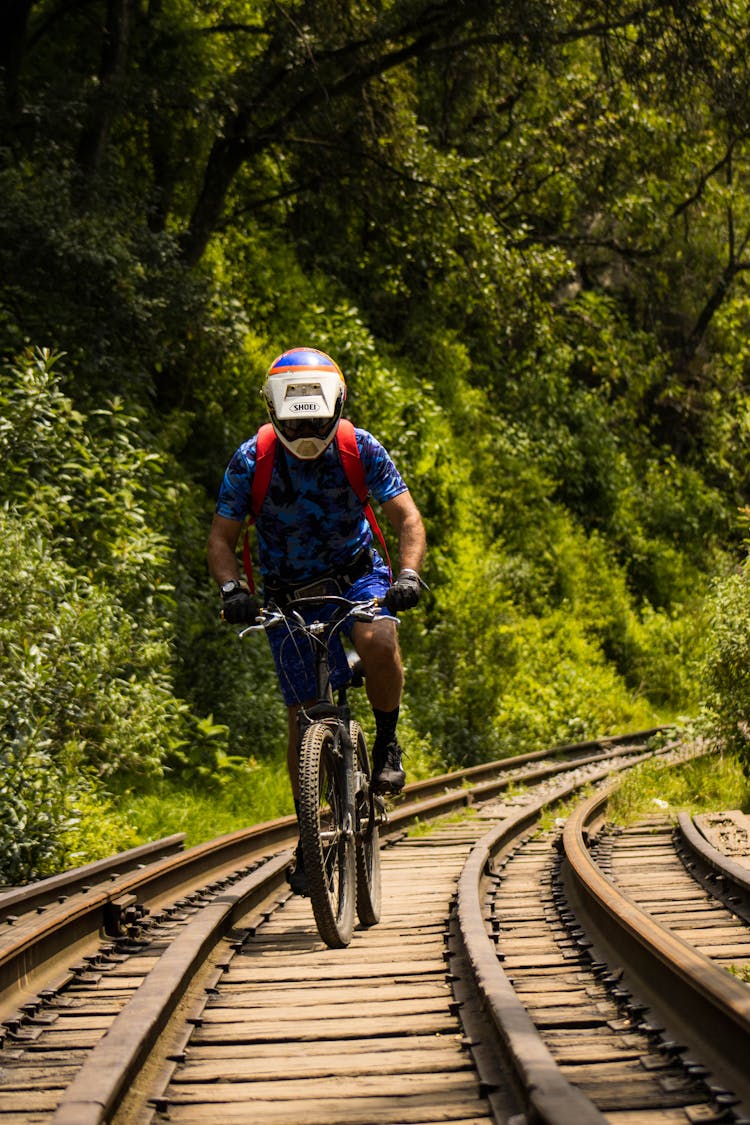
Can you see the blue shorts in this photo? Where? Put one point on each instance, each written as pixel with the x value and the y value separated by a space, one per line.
pixel 293 651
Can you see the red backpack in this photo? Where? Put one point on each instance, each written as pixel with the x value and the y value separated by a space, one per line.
pixel 346 443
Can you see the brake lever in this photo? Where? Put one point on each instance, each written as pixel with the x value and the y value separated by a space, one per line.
pixel 251 629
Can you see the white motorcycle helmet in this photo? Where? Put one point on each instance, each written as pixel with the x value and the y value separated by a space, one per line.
pixel 304 392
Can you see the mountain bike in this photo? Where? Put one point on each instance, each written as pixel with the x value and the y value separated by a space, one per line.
pixel 339 814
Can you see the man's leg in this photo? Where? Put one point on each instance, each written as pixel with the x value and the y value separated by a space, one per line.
pixel 378 648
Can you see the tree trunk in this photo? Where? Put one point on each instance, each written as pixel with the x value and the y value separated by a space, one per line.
pixel 106 102
pixel 14 17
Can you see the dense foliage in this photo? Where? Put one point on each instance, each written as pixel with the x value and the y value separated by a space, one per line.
pixel 522 229
pixel 726 671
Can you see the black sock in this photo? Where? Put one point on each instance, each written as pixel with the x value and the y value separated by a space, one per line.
pixel 385 725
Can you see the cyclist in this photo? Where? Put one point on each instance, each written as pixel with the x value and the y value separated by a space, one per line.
pixel 313 537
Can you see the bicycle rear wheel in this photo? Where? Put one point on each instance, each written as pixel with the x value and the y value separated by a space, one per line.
pixel 368 836
pixel 327 840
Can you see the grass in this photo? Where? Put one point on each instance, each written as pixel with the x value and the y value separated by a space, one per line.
pixel 248 796
pixel 261 792
pixel 424 827
pixel 553 816
pixel 702 785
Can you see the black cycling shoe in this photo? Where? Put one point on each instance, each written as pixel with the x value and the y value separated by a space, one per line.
pixel 296 876
pixel 387 774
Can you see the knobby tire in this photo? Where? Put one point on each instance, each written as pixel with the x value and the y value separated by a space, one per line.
pixel 329 852
pixel 368 837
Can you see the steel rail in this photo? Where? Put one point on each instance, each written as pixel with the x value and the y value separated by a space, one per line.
pixel 99 1087
pixel 722 876
pixel 33 896
pixel 700 1003
pixel 41 893
pixel 539 1085
pixel 37 950
pixel 101 1083
pixel 489 770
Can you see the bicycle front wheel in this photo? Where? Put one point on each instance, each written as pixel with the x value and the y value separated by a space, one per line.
pixel 327 837
pixel 368 836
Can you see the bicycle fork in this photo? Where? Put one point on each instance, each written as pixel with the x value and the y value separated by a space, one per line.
pixel 352 781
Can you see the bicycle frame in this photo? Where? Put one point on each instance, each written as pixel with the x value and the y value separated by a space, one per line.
pixel 325 709
pixel 338 818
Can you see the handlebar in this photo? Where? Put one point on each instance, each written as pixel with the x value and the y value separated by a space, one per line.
pixel 273 615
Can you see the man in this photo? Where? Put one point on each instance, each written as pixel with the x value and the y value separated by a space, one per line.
pixel 312 527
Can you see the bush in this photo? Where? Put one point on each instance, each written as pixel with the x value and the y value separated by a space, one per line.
pixel 726 669
pixel 86 677
pixel 78 701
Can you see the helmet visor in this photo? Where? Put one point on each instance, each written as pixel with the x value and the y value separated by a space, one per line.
pixel 293 428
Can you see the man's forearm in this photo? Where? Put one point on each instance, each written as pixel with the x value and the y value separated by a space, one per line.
pixel 220 552
pixel 412 544
pixel 222 566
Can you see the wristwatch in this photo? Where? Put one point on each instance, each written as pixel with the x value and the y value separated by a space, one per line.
pixel 230 587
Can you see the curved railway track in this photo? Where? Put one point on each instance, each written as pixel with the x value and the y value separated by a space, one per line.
pixel 479 997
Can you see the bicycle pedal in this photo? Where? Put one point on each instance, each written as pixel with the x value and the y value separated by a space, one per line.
pixel 381 811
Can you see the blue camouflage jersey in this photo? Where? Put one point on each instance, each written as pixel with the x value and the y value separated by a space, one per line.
pixel 311 522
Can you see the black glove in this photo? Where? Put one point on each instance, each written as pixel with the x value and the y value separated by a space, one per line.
pixel 404 593
pixel 240 607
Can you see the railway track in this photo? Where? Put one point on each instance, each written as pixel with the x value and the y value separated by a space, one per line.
pixel 212 997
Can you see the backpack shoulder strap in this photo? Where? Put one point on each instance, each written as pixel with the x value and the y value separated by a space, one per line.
pixel 265 453
pixel 346 442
